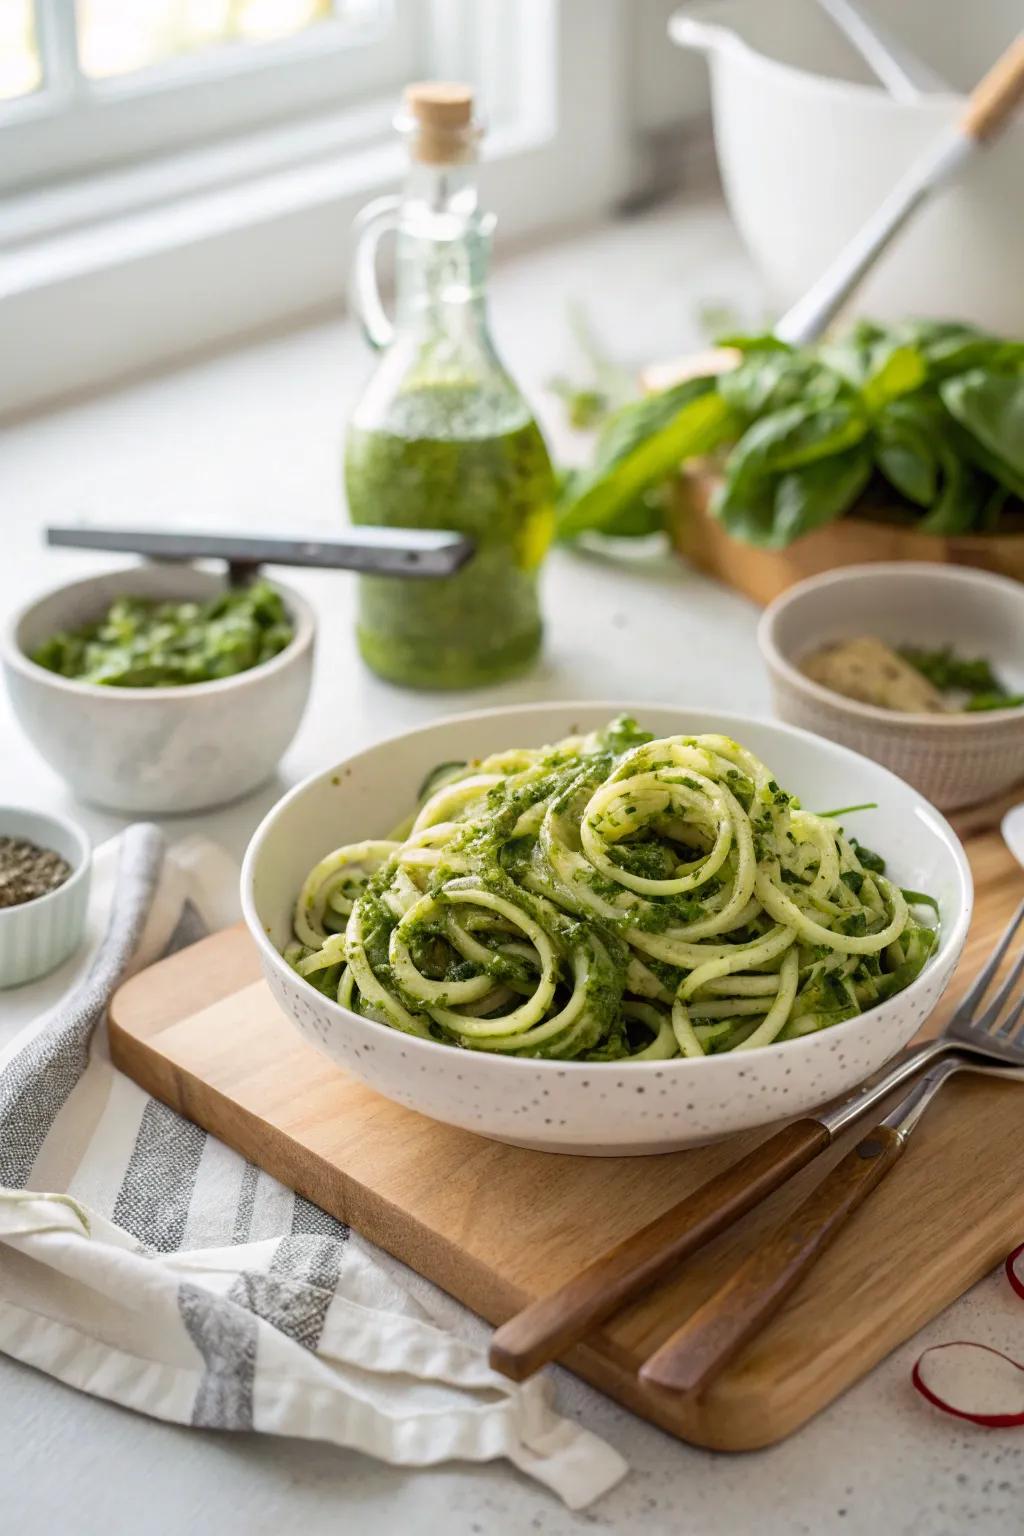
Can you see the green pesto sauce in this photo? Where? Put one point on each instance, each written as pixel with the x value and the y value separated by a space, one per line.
pixel 141 643
pixel 445 459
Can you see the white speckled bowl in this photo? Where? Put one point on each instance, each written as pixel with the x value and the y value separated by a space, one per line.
pixel 955 760
pixel 155 750
pixel 586 1107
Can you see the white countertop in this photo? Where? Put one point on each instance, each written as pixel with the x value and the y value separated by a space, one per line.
pixel 252 439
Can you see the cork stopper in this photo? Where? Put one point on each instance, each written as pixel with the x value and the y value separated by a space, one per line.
pixel 439 122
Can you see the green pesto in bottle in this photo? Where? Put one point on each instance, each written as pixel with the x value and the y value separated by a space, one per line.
pixel 442 438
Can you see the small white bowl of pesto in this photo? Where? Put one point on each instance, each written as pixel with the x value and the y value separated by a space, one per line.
pixel 607 929
pixel 159 689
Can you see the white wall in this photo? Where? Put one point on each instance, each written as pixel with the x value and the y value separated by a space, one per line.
pixel 668 85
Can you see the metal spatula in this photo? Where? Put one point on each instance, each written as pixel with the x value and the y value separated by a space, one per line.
pixel 426 553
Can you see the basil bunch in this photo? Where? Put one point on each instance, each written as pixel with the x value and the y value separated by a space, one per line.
pixel 929 414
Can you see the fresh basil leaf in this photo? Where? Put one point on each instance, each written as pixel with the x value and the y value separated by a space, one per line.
pixel 990 406
pixel 878 364
pixel 772 510
pixel 792 437
pixel 936 407
pixel 905 451
pixel 765 342
pixel 958 504
pixel 640 446
pixel 951 347
pixel 754 385
pixel 770 496
pixel 818 493
pixel 898 371
pixel 747 512
pixel 765 382
pixel 636 519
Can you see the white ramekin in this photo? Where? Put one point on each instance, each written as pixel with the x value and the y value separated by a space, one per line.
pixel 955 760
pixel 36 936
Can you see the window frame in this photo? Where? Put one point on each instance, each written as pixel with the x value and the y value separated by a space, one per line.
pixel 111 274
pixel 73 126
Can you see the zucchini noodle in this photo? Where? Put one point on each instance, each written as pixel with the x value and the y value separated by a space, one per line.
pixel 609 897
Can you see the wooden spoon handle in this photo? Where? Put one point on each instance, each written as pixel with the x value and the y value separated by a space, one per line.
pixel 996 95
pixel 717 1331
pixel 549 1326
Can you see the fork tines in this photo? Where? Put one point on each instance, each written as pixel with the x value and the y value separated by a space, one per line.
pixel 964 1021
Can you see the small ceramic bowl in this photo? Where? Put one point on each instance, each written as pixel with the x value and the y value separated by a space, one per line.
pixel 599 1108
pixel 38 935
pixel 954 760
pixel 156 750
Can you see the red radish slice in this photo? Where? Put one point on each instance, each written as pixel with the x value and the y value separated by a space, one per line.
pixel 1015 1270
pixel 972 1381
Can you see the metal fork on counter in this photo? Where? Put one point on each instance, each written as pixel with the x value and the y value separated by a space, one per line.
pixel 990 1042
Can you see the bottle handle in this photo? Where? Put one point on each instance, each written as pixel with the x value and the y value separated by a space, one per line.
pixel 376 220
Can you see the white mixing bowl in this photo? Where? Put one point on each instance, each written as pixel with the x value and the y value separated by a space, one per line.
pixel 588 1107
pixel 809 144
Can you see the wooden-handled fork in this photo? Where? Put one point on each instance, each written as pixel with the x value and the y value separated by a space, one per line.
pixel 699 1350
pixel 547 1328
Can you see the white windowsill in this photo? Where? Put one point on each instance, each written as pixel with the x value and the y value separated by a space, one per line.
pixel 59 209
pixel 101 297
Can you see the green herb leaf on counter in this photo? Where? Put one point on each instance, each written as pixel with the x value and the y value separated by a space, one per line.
pixel 585 408
pixel 608 385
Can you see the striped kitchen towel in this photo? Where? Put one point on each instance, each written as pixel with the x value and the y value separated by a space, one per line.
pixel 171 1276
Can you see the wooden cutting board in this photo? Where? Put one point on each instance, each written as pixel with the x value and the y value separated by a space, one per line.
pixel 496 1225
pixel 761 574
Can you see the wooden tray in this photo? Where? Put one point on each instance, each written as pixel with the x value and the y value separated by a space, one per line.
pixel 762 574
pixel 496 1226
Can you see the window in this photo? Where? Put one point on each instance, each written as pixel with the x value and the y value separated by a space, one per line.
pixel 89 84
pixel 174 173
